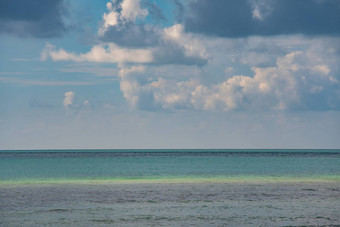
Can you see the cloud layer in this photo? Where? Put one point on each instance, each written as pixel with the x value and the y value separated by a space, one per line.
pixel 242 18
pixel 36 18
pixel 172 67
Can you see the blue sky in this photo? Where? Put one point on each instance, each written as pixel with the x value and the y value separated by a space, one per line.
pixel 169 74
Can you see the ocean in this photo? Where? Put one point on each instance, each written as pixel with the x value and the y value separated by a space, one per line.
pixel 170 187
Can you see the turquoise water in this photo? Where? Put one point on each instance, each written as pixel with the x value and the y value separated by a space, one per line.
pixel 160 164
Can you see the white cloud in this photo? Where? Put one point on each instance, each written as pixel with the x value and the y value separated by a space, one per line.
pixel 126 71
pixel 280 87
pixel 125 11
pixel 129 84
pixel 191 45
pixel 172 94
pixel 109 19
pixel 131 10
pixel 69 99
pixel 322 69
pixel 176 46
pixel 109 53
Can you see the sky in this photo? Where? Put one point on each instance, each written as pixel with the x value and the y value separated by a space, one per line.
pixel 77 74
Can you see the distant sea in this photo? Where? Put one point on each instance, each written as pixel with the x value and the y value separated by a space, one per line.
pixel 200 187
pixel 29 166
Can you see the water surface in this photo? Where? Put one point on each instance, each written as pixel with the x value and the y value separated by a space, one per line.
pixel 167 164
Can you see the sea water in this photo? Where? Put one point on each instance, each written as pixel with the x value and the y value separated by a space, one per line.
pixel 145 164
pixel 169 187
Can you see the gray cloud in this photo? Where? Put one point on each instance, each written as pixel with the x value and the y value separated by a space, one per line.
pixel 241 18
pixel 172 53
pixel 34 18
pixel 131 35
pixel 179 10
pixel 154 10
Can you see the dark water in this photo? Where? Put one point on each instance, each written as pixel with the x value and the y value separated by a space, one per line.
pixel 302 204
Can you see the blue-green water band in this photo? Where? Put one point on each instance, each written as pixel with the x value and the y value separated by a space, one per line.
pixel 169 166
pixel 161 180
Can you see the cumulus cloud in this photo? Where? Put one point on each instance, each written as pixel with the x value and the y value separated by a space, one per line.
pixel 289 84
pixel 122 40
pixel 129 84
pixel 242 18
pixel 170 45
pixel 119 25
pixel 72 106
pixel 38 18
pixel 68 99
pixel 121 12
pixel 131 10
pixel 175 47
